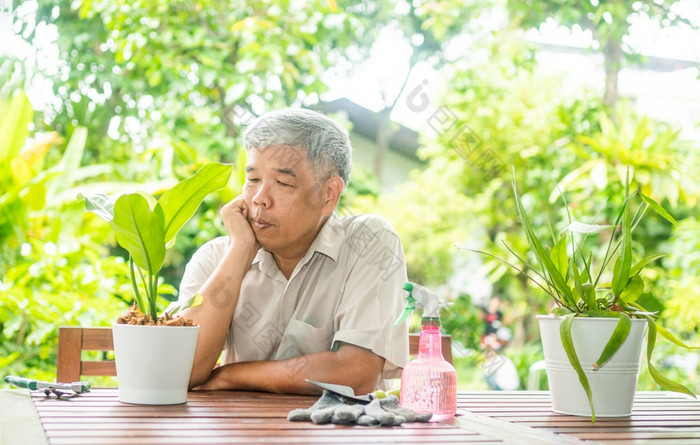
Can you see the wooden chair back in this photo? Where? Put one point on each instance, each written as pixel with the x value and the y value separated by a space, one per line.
pixel 414 341
pixel 72 340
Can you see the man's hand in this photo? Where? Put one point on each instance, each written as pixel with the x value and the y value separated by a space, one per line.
pixel 235 218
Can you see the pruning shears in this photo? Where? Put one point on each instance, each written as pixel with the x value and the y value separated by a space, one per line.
pixel 348 393
pixel 58 389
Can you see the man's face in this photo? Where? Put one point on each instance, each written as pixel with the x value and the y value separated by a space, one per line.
pixel 285 202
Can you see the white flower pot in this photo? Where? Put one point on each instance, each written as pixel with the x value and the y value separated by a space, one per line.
pixel 613 386
pixel 154 363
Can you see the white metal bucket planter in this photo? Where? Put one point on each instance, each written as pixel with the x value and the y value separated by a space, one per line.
pixel 154 363
pixel 613 386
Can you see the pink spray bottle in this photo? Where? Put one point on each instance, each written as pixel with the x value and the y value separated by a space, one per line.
pixel 429 382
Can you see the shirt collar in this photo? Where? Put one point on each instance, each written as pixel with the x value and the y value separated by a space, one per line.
pixel 330 239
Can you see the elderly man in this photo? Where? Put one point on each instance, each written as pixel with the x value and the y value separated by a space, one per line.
pixel 295 292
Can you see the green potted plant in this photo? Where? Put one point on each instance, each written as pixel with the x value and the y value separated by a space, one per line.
pixel 153 354
pixel 593 338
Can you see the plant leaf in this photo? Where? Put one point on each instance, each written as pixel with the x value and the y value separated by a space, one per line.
pixel 70 162
pixel 568 343
pixel 239 173
pixel 661 330
pixel 665 382
pixel 179 306
pixel 583 288
pixel 101 205
pixel 135 286
pixel 578 287
pixel 512 266
pixel 586 274
pixel 658 209
pixel 608 255
pixel 621 271
pixel 181 202
pixel 527 264
pixel 16 115
pixel 152 202
pixel 546 263
pixel 640 265
pixel 579 227
pixel 139 231
pixel 660 379
pixel 589 295
pixel 619 335
pixel 603 313
pixel 633 290
pixel 558 255
pixel 559 311
pixel 672 338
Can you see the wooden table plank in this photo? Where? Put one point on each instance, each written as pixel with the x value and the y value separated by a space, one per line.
pixel 656 423
pixel 219 417
pixel 484 417
pixel 657 416
pixel 510 432
pixel 227 440
pixel 656 442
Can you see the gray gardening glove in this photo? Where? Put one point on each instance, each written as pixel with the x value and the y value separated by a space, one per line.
pixel 327 401
pixel 387 412
pixel 331 408
pixel 391 404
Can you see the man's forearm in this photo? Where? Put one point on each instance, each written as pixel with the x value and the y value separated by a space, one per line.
pixel 350 365
pixel 214 315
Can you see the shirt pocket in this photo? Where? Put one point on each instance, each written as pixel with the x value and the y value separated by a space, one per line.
pixel 301 338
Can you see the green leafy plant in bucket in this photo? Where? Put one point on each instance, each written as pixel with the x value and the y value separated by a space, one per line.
pixel 146 227
pixel 565 273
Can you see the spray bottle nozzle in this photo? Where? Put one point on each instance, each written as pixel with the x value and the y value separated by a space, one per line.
pixel 425 298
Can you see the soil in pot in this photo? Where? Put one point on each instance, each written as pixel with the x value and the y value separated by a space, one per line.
pixel 135 317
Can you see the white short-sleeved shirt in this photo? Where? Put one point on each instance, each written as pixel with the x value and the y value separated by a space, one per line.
pixel 347 288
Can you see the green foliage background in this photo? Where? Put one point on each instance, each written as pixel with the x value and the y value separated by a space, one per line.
pixel 145 93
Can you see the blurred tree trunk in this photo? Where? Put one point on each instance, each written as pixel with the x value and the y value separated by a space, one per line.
pixel 428 27
pixel 613 60
pixel 608 21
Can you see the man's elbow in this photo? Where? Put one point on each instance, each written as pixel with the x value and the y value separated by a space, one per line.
pixel 362 379
pixel 198 377
pixel 366 387
pixel 366 382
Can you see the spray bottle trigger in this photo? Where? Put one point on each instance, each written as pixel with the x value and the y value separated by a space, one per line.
pixel 406 312
pixel 410 307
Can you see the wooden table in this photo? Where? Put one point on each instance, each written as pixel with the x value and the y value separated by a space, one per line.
pixel 519 417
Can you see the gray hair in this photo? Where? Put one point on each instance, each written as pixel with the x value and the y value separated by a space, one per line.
pixel 327 145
